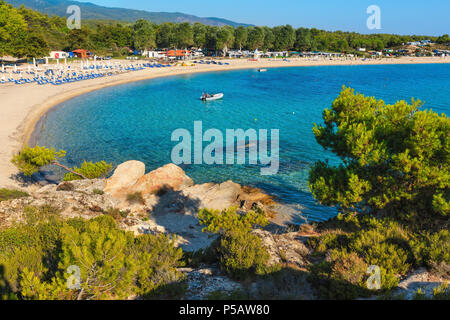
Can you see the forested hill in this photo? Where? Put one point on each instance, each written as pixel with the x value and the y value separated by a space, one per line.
pixel 92 11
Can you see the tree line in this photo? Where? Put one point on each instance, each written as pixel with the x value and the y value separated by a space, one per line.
pixel 28 33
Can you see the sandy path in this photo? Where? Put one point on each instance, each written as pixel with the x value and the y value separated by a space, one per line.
pixel 21 107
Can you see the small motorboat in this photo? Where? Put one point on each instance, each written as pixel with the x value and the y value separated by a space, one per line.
pixel 216 96
pixel 262 70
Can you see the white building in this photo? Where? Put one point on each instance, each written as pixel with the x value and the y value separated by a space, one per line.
pixel 154 54
pixel 58 55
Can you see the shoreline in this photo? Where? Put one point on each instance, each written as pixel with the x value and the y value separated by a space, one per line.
pixel 24 106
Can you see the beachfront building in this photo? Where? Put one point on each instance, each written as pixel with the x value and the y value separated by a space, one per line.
pixel 154 54
pixel 178 54
pixel 59 55
pixel 81 53
pixel 238 53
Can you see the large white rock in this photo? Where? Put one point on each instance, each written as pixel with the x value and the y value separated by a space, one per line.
pixel 124 177
pixel 169 176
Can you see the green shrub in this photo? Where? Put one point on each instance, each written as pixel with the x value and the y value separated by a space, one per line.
pixel 113 263
pixel 229 220
pixel 98 192
pixel 386 246
pixel 157 260
pixel 30 160
pixel 394 159
pixel 7 194
pixel 343 273
pixel 90 170
pixel 117 214
pixel 328 240
pixel 34 215
pixel 433 251
pixel 240 253
pixel 341 276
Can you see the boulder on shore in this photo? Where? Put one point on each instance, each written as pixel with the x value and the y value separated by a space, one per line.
pixel 125 176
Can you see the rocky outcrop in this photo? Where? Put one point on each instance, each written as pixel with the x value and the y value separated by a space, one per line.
pixel 203 282
pixel 125 176
pixel 171 201
pixel 420 279
pixel 287 248
pixel 130 178
pixel 169 177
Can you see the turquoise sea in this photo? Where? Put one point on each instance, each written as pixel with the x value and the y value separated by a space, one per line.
pixel 135 121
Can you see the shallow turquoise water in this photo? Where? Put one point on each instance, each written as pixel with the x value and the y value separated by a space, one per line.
pixel 135 121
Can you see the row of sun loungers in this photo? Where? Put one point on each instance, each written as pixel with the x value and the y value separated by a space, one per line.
pixel 212 62
pixel 90 72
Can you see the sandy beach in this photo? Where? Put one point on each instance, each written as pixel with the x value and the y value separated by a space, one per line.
pixel 22 106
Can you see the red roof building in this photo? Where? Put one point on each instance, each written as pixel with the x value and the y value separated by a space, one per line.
pixel 80 53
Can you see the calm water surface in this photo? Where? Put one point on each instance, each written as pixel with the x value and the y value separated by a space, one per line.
pixel 135 121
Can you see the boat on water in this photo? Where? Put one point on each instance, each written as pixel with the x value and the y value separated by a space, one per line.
pixel 262 70
pixel 216 96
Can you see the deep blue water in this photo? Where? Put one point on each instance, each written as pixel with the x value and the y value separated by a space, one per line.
pixel 135 121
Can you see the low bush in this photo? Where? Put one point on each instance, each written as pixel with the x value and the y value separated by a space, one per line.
pixel 433 251
pixel 117 214
pixel 8 194
pixel 240 253
pixel 90 170
pixel 95 257
pixel 98 192
pixel 344 272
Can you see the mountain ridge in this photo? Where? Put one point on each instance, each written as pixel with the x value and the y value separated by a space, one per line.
pixel 90 11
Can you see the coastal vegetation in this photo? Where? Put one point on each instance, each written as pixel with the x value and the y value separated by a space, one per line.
pixel 30 160
pixel 7 194
pixel 239 252
pixel 394 160
pixel 28 33
pixel 392 189
pixel 76 259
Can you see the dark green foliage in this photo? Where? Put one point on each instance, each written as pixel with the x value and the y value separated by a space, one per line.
pixel 341 276
pixel 394 160
pixel 7 194
pixel 30 160
pixel 117 214
pixel 433 251
pixel 90 170
pixel 384 243
pixel 240 252
pixel 34 259
pixel 98 192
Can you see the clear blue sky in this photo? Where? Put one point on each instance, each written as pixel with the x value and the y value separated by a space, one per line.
pixel 425 17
